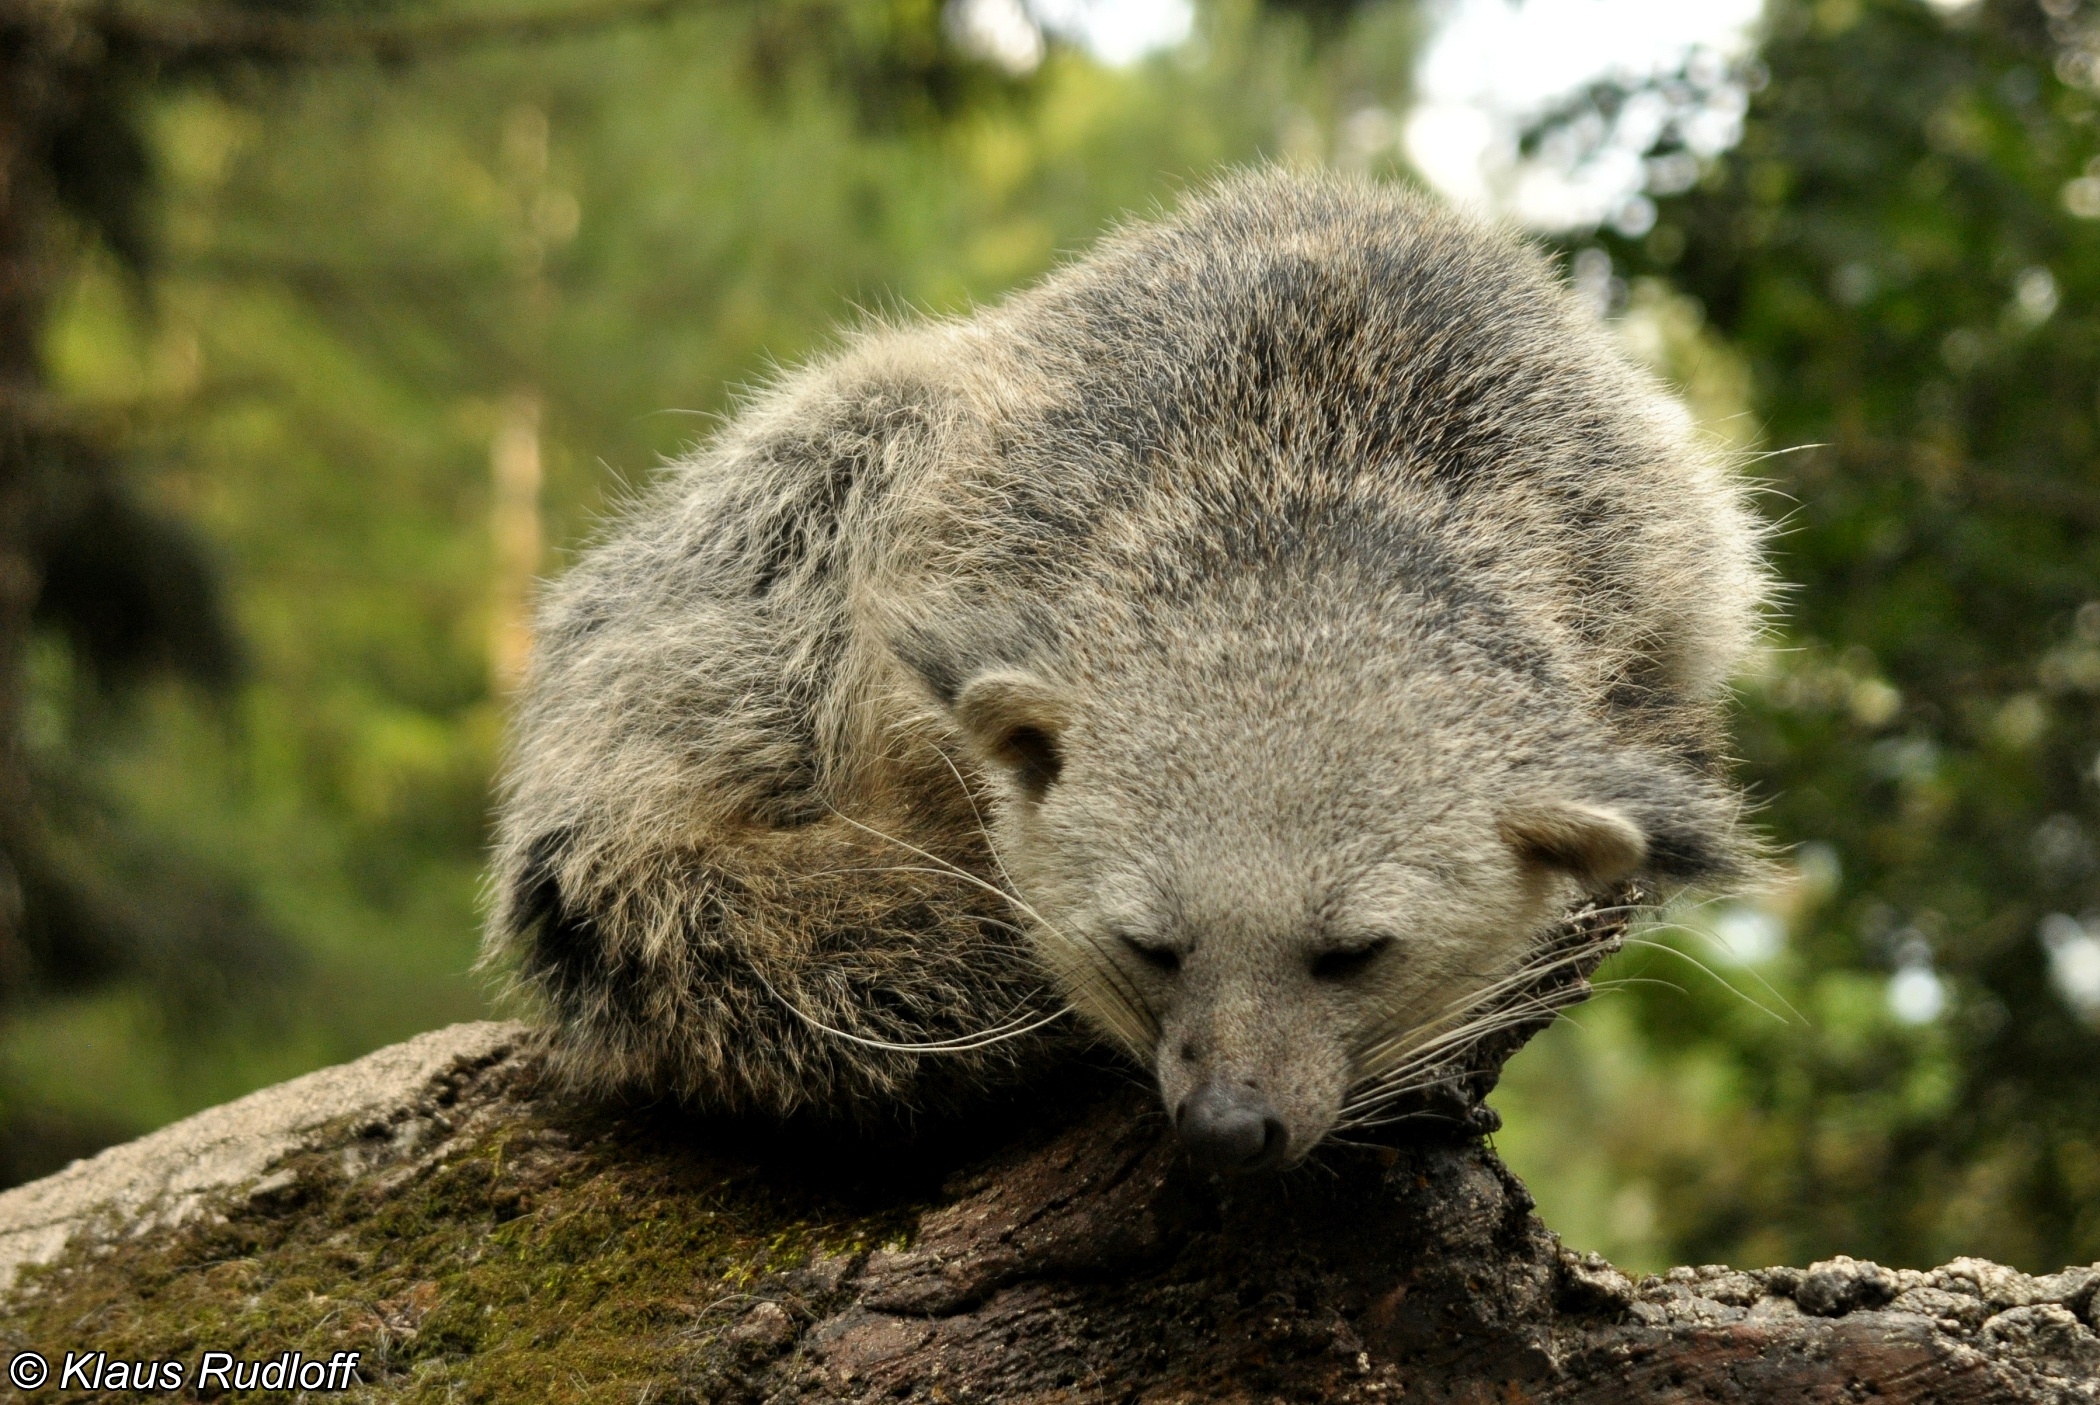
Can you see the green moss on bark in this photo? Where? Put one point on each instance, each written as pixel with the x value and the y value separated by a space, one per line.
pixel 546 1256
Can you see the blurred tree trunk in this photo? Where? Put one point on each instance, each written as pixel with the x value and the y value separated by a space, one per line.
pixel 82 554
pixel 90 896
pixel 32 88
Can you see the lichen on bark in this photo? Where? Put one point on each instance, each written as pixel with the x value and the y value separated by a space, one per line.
pixel 491 1245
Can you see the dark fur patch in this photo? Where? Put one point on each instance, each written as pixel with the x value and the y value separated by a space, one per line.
pixel 1686 853
pixel 1035 758
pixel 564 953
pixel 976 636
pixel 1690 830
pixel 934 659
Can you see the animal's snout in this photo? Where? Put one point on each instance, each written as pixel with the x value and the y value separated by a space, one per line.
pixel 1230 1127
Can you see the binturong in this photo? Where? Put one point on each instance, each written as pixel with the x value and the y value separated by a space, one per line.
pixel 1241 648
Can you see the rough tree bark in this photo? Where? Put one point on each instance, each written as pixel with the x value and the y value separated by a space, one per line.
pixel 473 1234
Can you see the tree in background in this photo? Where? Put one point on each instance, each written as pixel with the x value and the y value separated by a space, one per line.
pixel 1902 253
pixel 105 592
pixel 128 590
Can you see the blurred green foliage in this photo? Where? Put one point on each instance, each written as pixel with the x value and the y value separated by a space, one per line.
pixel 1902 256
pixel 355 273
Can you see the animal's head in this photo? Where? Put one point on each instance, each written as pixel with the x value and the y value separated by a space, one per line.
pixel 1284 876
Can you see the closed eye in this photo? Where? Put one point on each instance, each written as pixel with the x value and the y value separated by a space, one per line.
pixel 1164 959
pixel 1342 962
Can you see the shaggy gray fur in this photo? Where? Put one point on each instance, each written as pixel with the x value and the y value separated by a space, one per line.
pixel 1253 637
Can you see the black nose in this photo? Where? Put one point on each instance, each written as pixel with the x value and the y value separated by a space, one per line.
pixel 1230 1128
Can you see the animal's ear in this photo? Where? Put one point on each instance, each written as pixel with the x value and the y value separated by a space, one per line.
pixel 1640 814
pixel 1016 720
pixel 1599 845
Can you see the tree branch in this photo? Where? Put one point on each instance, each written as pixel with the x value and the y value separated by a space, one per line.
pixel 214 33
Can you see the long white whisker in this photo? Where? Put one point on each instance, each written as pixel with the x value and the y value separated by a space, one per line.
pixel 1393 1082
pixel 1531 966
pixel 1528 972
pixel 990 846
pixel 1502 1005
pixel 1724 949
pixel 952 870
pixel 1383 1084
pixel 1140 1017
pixel 1107 975
pixel 1717 979
pixel 1404 1081
pixel 962 1044
pixel 1398 1081
pixel 1364 1116
pixel 1534 990
pixel 1618 983
pixel 1443 1042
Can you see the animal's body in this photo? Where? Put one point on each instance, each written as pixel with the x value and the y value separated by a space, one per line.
pixel 1255 636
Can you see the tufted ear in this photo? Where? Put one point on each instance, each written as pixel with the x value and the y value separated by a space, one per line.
pixel 1597 844
pixel 1015 719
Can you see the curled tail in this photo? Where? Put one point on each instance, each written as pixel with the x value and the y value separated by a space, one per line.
pixel 821 971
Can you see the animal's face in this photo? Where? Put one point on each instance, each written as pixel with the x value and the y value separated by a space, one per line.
pixel 1281 903
pixel 1277 995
